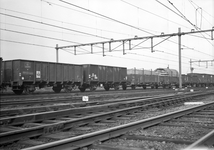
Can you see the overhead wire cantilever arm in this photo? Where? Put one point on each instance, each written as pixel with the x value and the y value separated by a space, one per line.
pixel 118 45
pixel 130 45
pixel 103 49
pixel 137 44
pixel 109 46
pixel 152 45
pixel 124 48
pixel 75 50
pixel 161 41
pixel 212 34
pixel 91 48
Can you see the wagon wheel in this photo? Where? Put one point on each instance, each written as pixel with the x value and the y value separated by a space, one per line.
pixel 57 90
pixel 116 87
pixel 29 90
pixel 133 87
pixel 68 89
pixel 82 89
pixel 106 87
pixel 124 87
pixel 18 92
pixel 93 88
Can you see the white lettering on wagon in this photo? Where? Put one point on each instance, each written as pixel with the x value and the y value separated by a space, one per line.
pixel 38 74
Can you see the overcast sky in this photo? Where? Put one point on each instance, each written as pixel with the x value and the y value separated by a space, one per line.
pixel 30 29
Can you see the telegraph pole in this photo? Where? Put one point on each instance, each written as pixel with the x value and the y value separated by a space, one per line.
pixel 179 56
pixel 191 68
pixel 57 53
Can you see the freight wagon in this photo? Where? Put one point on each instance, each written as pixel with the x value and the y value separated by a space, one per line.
pixel 142 78
pixel 1 72
pixel 168 77
pixel 27 74
pixel 106 76
pixel 203 79
pixel 189 80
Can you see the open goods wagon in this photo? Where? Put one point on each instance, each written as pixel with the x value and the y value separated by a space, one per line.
pixel 167 77
pixel 27 74
pixel 203 79
pixel 189 80
pixel 1 73
pixel 142 78
pixel 106 76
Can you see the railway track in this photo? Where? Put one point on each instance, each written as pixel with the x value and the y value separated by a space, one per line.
pixel 25 102
pixel 20 107
pixel 46 100
pixel 131 131
pixel 59 106
pixel 74 92
pixel 43 124
pixel 80 94
pixel 5 97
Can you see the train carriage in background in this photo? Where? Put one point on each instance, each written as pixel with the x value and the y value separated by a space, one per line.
pixel 27 74
pixel 168 77
pixel 189 80
pixel 1 74
pixel 212 80
pixel 203 79
pixel 142 78
pixel 106 76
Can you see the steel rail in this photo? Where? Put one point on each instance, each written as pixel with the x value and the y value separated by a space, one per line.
pixel 43 129
pixel 21 111
pixel 66 98
pixel 74 93
pixel 88 139
pixel 100 91
pixel 49 115
pixel 205 141
pixel 53 100
pixel 46 128
pixel 57 100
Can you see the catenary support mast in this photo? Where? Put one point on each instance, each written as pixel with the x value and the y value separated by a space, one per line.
pixel 179 56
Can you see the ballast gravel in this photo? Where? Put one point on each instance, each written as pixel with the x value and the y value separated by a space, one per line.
pixel 162 131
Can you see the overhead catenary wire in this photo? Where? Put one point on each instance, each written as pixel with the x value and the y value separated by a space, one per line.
pixel 196 6
pixel 64 22
pixel 154 14
pixel 106 17
pixel 180 14
pixel 12 41
pixel 47 24
pixel 41 36
pixel 185 18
